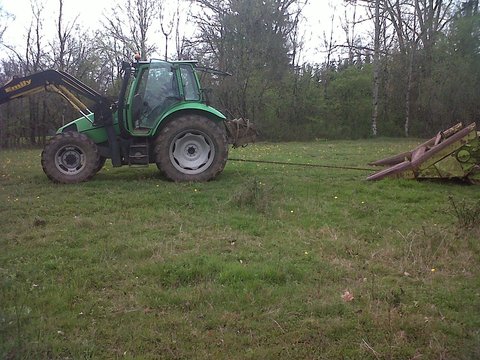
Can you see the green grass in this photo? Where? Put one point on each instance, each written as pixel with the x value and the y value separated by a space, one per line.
pixel 250 266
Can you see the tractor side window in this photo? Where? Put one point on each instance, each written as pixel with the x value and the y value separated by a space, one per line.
pixel 190 87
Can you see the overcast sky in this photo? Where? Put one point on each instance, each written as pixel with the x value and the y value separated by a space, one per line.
pixel 317 21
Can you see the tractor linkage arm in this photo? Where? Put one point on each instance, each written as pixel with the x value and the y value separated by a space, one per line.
pixel 63 84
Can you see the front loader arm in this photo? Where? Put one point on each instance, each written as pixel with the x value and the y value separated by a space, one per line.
pixel 63 84
pixel 68 87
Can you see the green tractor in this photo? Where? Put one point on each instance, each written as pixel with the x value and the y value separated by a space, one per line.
pixel 161 116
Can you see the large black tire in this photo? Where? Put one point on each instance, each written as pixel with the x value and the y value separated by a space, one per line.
pixel 191 148
pixel 70 157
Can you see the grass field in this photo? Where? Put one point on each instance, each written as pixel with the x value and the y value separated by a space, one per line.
pixel 250 266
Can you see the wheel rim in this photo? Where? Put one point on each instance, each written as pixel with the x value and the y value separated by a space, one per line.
pixel 70 160
pixel 191 152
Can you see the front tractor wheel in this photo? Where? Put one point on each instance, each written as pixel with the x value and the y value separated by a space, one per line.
pixel 69 158
pixel 191 148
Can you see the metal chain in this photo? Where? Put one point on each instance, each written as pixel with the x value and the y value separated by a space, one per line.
pixel 303 164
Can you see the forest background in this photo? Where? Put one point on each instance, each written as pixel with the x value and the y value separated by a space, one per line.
pixel 394 68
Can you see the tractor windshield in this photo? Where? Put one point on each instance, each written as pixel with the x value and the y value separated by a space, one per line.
pixel 157 90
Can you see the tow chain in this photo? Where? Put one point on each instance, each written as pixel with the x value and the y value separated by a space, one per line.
pixel 304 164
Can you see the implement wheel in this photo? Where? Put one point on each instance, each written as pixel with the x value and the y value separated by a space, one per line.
pixel 191 148
pixel 70 157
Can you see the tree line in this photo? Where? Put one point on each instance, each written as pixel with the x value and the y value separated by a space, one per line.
pixel 403 68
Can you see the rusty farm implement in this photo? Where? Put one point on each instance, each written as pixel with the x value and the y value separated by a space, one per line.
pixel 451 154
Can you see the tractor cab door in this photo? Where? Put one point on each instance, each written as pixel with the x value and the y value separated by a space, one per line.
pixel 156 91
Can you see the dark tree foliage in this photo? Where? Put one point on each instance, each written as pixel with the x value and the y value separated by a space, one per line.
pixel 444 79
pixel 251 40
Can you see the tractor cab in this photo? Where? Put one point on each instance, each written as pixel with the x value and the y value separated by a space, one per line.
pixel 158 87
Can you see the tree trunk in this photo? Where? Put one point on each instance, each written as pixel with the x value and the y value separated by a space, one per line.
pixel 376 68
pixel 411 62
pixel 408 92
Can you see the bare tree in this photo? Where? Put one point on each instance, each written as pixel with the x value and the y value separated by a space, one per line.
pixel 243 37
pixel 63 46
pixel 375 12
pixel 294 36
pixel 20 63
pixel 376 66
pixel 181 42
pixel 417 25
pixel 34 61
pixel 349 25
pixel 167 25
pixel 329 47
pixel 131 23
pixel 4 17
pixel 172 20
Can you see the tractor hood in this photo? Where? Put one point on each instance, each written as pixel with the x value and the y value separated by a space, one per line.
pixel 85 124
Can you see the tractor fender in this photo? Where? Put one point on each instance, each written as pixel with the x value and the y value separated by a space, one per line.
pixel 189 108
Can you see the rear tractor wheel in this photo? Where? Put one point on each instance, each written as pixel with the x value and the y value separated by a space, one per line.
pixel 191 148
pixel 70 157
